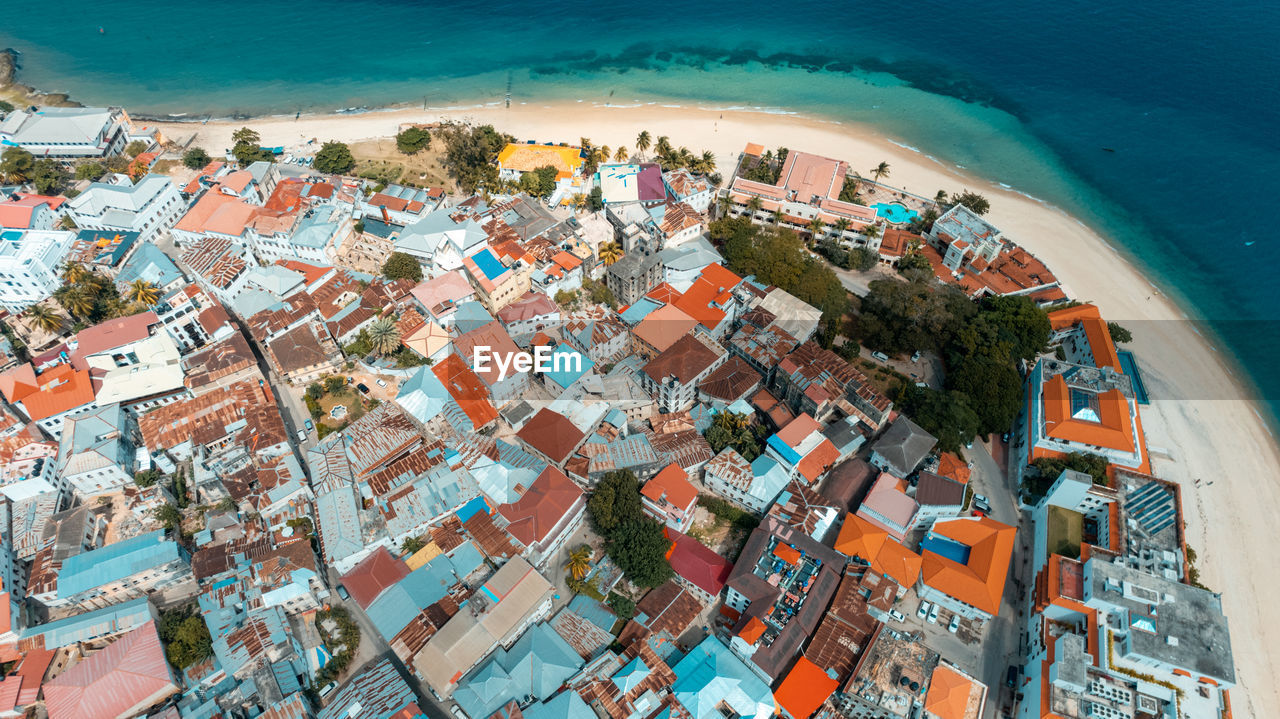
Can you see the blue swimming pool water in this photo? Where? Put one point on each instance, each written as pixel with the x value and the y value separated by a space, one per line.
pixel 489 264
pixel 894 212
pixel 1130 367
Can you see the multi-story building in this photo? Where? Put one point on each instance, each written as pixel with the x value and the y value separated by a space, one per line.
pixel 150 206
pixel 31 265
pixel 67 132
pixel 96 453
pixel 964 564
pixel 120 571
pixel 31 212
pixel 669 497
pixel 1075 408
pixel 691 189
pixel 673 376
pixel 754 485
pixel 902 448
pixel 631 277
pixel 545 516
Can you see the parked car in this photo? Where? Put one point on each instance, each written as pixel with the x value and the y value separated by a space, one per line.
pixel 897 616
pixel 1011 677
pixel 457 712
pixel 364 389
pixel 933 614
pixel 382 383
pixel 981 499
pixel 308 424
pixel 880 356
pixel 923 611
pixel 302 435
pixel 1005 438
pixel 342 592
pixel 955 623
pixel 915 356
pixel 324 690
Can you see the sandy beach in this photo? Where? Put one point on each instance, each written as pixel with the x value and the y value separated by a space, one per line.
pixel 1202 422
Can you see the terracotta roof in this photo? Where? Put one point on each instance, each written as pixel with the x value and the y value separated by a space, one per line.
pixel 685 359
pixel 697 563
pixel 731 380
pixel 661 328
pixel 805 688
pixel 128 676
pixel 980 581
pixel 952 695
pixel 1112 430
pixel 671 484
pixel 860 538
pixel 310 272
pixel 54 391
pixel 542 507
pixel 466 389
pixel 529 305
pixel 552 434
pixel 219 213
pixel 114 333
pixel 372 575
pixel 705 299
pixel 670 608
pixel 297 349
pixel 950 465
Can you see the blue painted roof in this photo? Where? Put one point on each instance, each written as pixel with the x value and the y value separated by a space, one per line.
pixel 472 508
pixel 781 448
pixel 89 570
pixel 91 625
pixel 594 611
pixel 562 356
pixel 639 311
pixel 151 264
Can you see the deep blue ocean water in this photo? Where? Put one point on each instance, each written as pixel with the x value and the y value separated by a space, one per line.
pixel 1025 93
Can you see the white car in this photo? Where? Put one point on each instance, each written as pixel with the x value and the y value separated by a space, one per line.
pixel 933 614
pixel 915 357
pixel 923 611
pixel 955 623
pixel 980 499
pixel 382 383
pixel 897 616
pixel 880 356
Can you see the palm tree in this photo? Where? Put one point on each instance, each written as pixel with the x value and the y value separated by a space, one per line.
pixel 143 292
pixel 601 154
pixel 871 232
pixel 708 162
pixel 841 226
pixel 643 142
pixel 620 154
pixel 44 318
pixel 725 202
pixel 384 335
pixel 77 302
pixel 940 198
pixel 816 226
pixel 663 148
pixel 880 171
pixel 609 253
pixel 755 203
pixel 579 562
pixel 74 273
pixel 776 217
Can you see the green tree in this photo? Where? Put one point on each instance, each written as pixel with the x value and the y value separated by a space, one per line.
pixel 579 562
pixel 135 148
pixel 863 259
pixel 247 147
pixel 412 545
pixel 614 502
pixel 384 335
pixel 400 266
pixel 185 636
pixel 169 516
pixel 599 293
pixel 595 200
pixel 90 171
pixel 624 607
pixel 44 318
pixel 945 415
pixel 471 153
pixel 145 478
pixel 247 136
pixel 914 263
pixel 143 292
pixel 195 158
pixel 639 548
pixel 334 158
pixel 972 200
pixel 1091 464
pixel 315 390
pixel 643 142
pixel 849 190
pixel 994 391
pixel 16 164
pixel 1119 334
pixel 540 182
pixel 413 140
pixel 729 429
pixel 881 171
pixel 334 384
pixel 609 253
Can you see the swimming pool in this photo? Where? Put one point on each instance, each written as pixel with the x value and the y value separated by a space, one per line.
pixel 895 213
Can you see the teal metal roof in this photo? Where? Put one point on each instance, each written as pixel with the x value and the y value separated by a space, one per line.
pixel 89 570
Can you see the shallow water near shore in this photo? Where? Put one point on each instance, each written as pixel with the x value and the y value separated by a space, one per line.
pixel 1155 125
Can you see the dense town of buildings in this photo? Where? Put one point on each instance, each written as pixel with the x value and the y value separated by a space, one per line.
pixel 238 449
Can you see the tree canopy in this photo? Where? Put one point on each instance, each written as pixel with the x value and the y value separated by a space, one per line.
pixel 49 177
pixel 413 140
pixel 470 153
pixel 614 502
pixel 640 550
pixel 1090 464
pixel 972 200
pixel 186 637
pixel 778 257
pixel 401 266
pixel 195 158
pixel 947 415
pixel 729 429
pixel 540 182
pixel 16 164
pixel 334 158
pixel 1118 333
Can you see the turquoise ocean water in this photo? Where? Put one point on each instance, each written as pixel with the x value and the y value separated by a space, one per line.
pixel 1156 123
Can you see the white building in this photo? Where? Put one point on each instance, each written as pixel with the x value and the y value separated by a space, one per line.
pixel 67 132
pixel 150 206
pixel 30 263
pixel 96 451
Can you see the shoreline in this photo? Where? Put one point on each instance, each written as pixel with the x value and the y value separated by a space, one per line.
pixel 1213 426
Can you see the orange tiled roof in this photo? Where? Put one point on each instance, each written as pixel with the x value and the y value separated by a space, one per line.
pixel 467 390
pixel 948 696
pixel 806 687
pixel 713 287
pixel 950 465
pixel 1113 430
pixel 752 630
pixel 57 390
pixel 860 538
pixel 673 484
pixel 980 581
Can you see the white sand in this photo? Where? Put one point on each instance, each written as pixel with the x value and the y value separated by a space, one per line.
pixel 1213 432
